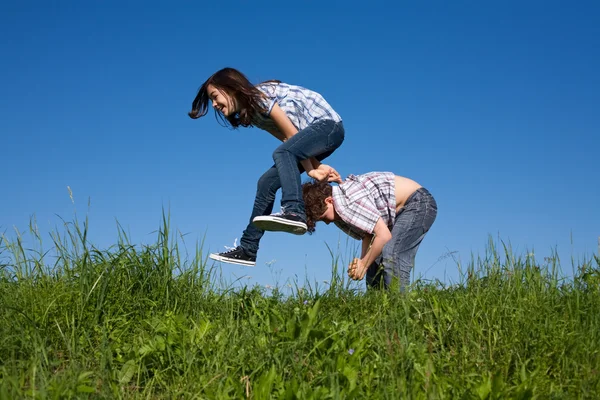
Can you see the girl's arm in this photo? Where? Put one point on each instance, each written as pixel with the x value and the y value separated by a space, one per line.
pixel 276 134
pixel 326 171
pixel 312 166
pixel 282 121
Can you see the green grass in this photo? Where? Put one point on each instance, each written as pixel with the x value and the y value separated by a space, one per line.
pixel 153 321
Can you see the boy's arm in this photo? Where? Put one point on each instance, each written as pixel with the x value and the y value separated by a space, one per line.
pixel 372 245
pixel 366 244
pixel 381 235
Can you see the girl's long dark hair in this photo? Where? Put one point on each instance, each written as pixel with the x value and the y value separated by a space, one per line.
pixel 236 85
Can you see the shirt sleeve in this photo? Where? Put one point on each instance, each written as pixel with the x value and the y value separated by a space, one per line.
pixel 275 93
pixel 364 214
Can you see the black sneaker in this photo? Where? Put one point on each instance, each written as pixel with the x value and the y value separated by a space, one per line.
pixel 281 222
pixel 235 256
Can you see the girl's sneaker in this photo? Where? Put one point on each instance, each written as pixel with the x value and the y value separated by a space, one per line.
pixel 281 222
pixel 236 255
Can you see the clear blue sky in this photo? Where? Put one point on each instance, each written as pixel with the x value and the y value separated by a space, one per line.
pixel 493 106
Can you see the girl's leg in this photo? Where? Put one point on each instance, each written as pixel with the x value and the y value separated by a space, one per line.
pixel 267 187
pixel 317 139
pixel 412 223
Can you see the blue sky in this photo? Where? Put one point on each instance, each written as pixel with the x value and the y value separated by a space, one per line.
pixel 493 106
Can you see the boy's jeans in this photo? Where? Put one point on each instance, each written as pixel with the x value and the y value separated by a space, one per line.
pixel 319 140
pixel 398 255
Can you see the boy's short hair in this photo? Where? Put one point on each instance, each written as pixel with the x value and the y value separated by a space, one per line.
pixel 314 194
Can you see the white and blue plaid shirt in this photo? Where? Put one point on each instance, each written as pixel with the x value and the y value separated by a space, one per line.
pixel 302 106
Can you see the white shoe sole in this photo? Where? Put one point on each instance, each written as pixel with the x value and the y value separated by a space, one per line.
pixel 228 260
pixel 276 224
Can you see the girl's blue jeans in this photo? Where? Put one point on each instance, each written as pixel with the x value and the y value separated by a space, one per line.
pixel 319 140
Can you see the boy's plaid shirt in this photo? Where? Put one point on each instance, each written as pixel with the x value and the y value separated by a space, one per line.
pixel 301 105
pixel 361 200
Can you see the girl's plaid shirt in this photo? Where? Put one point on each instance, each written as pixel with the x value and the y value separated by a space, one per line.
pixel 302 106
pixel 362 199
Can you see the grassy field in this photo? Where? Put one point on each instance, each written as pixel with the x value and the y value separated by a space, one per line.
pixel 151 322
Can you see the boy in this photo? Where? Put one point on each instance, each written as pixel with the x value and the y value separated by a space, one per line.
pixel 390 214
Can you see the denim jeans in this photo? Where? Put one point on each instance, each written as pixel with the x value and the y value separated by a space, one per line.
pixel 319 140
pixel 397 259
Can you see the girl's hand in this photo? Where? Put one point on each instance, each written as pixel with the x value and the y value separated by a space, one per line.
pixel 357 269
pixel 332 174
pixel 318 174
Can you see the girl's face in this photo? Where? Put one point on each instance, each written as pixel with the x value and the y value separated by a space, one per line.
pixel 221 101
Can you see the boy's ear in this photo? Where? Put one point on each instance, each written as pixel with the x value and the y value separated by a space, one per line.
pixel 329 200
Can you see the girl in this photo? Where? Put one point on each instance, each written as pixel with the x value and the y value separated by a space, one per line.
pixel 309 129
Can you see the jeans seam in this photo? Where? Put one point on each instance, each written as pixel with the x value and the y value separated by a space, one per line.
pixel 425 216
pixel 408 226
pixel 335 130
pixel 298 142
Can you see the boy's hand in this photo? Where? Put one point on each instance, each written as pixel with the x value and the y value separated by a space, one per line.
pixel 357 269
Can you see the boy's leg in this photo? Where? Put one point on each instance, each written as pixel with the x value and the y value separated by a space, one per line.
pixel 412 223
